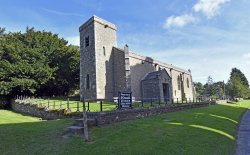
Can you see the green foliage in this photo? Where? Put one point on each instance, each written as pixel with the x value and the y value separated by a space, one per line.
pixel 199 88
pixel 210 89
pixel 23 69
pixel 36 62
pixel 237 86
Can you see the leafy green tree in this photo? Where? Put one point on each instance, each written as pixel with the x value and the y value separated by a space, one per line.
pixel 237 86
pixel 199 88
pixel 66 77
pixel 209 87
pixel 242 77
pixel 2 30
pixel 23 69
pixel 37 62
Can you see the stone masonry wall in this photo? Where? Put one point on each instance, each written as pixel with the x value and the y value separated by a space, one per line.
pixel 102 118
pixel 119 116
pixel 141 65
pixel 105 40
pixel 33 110
pixel 119 71
pixel 88 61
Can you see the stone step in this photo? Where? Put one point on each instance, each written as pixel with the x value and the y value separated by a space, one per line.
pixel 91 122
pixel 81 119
pixel 76 129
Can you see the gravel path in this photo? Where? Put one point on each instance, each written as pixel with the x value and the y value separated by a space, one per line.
pixel 243 138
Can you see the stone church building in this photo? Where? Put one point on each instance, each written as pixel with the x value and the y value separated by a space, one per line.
pixel 107 69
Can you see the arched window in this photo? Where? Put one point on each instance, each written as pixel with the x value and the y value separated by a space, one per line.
pixel 187 82
pixel 179 82
pixel 87 41
pixel 104 50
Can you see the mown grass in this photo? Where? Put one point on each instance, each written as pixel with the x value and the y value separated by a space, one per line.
pixel 204 131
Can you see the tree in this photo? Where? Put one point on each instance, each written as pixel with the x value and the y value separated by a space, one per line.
pixel 199 88
pixel 237 86
pixel 23 69
pixel 37 62
pixel 209 87
pixel 66 77
pixel 243 79
pixel 2 30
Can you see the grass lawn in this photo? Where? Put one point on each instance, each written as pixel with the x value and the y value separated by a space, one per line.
pixel 208 130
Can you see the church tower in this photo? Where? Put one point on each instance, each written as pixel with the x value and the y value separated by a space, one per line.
pixel 97 38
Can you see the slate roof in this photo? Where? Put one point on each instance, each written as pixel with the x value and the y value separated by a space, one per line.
pixel 154 74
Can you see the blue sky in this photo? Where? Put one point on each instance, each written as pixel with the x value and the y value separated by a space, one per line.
pixel 207 36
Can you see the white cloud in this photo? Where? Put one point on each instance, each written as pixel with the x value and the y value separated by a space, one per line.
pixel 209 7
pixel 74 40
pixel 63 13
pixel 247 57
pixel 179 21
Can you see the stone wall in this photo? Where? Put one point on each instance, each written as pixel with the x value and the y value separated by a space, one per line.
pixel 88 60
pixel 104 118
pixel 141 65
pixel 34 110
pixel 119 71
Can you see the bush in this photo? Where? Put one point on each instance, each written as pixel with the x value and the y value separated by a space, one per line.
pixel 4 103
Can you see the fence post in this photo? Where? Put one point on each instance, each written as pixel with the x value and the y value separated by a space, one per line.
pixel 141 103
pixel 67 103
pixel 48 103
pixel 172 100
pixel 181 100
pixel 177 100
pixel 88 107
pixel 54 105
pixel 101 105
pixel 77 107
pixel 60 104
pixel 151 102
pixel 83 106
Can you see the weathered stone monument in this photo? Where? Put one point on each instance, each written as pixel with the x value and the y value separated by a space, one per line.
pixel 107 69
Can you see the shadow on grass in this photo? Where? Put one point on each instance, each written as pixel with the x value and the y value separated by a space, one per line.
pixel 207 130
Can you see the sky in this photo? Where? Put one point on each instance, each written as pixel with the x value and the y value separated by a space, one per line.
pixel 210 37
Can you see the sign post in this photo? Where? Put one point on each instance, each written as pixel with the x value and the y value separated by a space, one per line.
pixel 125 100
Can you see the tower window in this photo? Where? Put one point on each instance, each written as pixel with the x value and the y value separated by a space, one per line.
pixel 87 41
pixel 104 51
pixel 87 81
pixel 187 82
pixel 179 82
pixel 155 66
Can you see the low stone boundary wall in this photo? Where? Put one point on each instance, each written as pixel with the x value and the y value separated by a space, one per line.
pixel 33 110
pixel 102 118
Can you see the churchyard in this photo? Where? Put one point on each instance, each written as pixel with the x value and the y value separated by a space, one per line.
pixel 192 131
pixel 74 105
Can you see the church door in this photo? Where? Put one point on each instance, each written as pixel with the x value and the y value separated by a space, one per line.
pixel 166 92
